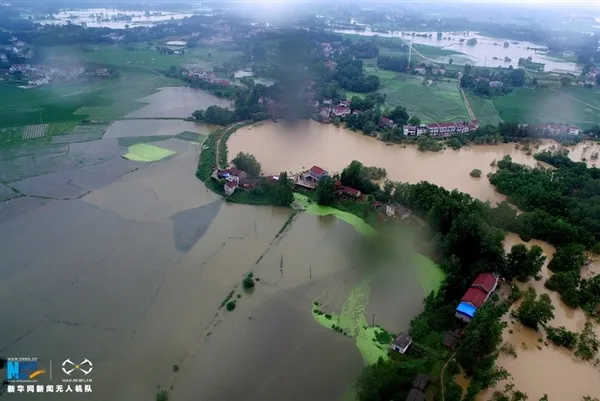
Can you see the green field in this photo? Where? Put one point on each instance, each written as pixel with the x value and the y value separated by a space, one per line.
pixel 141 57
pixel 106 99
pixel 436 103
pixel 484 110
pixel 575 105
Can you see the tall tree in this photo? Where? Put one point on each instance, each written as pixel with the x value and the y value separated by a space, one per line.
pixel 534 312
pixel 482 337
pixel 325 191
pixel 523 263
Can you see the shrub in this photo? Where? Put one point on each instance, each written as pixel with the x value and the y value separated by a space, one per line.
pixel 162 395
pixel 175 368
pixel 230 305
pixel 248 282
pixel 562 337
pixel 328 316
pixel 475 173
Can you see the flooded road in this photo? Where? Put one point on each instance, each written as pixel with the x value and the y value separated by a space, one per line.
pixel 294 148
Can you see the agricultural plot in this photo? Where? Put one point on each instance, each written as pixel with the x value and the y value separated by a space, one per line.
pixel 82 133
pixel 96 100
pixel 575 105
pixel 484 110
pixel 437 102
pixel 35 131
pixel 142 56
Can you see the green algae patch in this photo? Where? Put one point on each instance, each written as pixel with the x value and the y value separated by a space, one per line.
pixel 317 210
pixel 429 274
pixel 352 322
pixel 144 152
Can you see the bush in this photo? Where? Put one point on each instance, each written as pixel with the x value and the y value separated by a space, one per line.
pixel 230 305
pixel 248 282
pixel 248 163
pixel 475 173
pixel 162 395
pixel 562 337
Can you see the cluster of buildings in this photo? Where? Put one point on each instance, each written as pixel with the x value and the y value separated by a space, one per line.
pixel 553 129
pixel 421 69
pixel 327 110
pixel 591 76
pixel 38 75
pixel 480 291
pixel 441 129
pixel 206 76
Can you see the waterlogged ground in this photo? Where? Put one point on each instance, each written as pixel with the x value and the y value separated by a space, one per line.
pixel 127 263
pixel 580 378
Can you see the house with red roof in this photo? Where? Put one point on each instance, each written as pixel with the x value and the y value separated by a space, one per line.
pixel 230 187
pixel 341 110
pixel 315 173
pixel 481 290
pixel 386 122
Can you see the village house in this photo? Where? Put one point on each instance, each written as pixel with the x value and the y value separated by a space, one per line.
pixel 328 101
pixel 102 72
pixel 230 187
pixel 341 111
pixel 330 65
pixel 496 84
pixel 481 290
pixel 324 114
pixel 347 191
pixel 386 122
pixel 397 211
pixel 417 393
pixel 420 70
pixel 401 343
pixel 315 174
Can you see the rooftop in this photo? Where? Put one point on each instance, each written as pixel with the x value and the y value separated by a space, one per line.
pixel 231 184
pixel 475 296
pixel 317 170
pixel 486 281
pixel 420 382
pixel 402 340
pixel 415 395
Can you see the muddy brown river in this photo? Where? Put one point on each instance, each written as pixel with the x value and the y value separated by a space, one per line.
pixel 293 148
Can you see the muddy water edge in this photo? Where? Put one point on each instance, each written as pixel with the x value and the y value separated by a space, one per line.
pixel 333 148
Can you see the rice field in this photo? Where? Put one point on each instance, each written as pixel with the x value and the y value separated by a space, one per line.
pixel 35 131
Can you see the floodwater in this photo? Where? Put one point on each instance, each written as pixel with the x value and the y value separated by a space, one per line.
pixel 89 17
pixel 578 378
pixel 127 263
pixel 178 102
pixel 146 128
pixel 483 53
pixel 294 148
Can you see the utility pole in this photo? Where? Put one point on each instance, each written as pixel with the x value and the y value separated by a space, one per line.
pixel 373 320
pixel 310 271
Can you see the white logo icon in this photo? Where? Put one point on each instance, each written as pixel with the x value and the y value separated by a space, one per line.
pixel 86 366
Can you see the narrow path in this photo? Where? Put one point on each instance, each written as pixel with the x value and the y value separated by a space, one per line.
pixel 577 100
pixel 442 373
pixel 464 96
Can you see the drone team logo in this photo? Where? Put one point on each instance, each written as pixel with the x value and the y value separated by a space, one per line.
pixel 84 366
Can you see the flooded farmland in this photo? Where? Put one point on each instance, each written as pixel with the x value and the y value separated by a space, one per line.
pixel 176 102
pixel 127 264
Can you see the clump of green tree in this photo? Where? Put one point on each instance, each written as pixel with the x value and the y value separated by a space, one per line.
pixel 248 163
pixel 533 312
pixel 356 176
pixel 325 191
pixel 248 281
pixel 588 345
pixel 428 144
pixel 476 173
pixel 562 337
pixel 561 206
pixel 374 173
pixel 266 191
pixel 523 263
